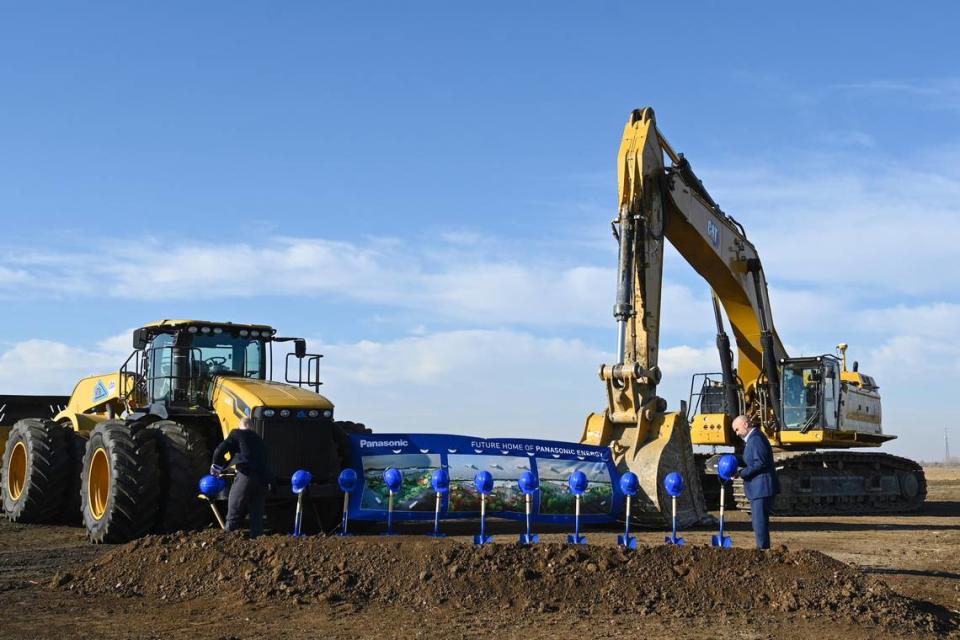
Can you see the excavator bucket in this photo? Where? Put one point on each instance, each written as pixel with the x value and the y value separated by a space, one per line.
pixel 652 449
pixel 667 449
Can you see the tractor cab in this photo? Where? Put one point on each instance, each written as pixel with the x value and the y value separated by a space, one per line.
pixel 177 362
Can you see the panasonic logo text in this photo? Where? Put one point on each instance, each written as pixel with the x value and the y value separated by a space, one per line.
pixel 368 444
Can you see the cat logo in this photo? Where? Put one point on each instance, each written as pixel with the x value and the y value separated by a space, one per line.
pixel 714 232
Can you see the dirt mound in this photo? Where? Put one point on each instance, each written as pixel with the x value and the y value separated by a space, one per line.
pixel 420 573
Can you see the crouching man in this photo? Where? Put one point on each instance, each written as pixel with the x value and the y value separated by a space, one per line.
pixel 248 495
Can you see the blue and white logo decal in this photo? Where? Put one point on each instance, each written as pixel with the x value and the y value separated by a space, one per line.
pixel 100 391
pixel 714 232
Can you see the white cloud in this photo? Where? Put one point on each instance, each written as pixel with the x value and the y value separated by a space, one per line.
pixel 930 93
pixel 881 227
pixel 458 286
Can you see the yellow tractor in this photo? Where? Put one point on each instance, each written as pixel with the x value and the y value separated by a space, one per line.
pixel 127 448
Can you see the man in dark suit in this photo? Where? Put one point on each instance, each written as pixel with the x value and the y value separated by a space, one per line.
pixel 759 476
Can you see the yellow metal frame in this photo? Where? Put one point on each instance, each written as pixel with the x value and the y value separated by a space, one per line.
pixel 17 471
pixel 712 429
pixel 98 483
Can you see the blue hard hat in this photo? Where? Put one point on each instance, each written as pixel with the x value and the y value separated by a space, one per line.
pixel 483 481
pixel 673 483
pixel 630 484
pixel 578 482
pixel 393 479
pixel 300 480
pixel 528 482
pixel 347 480
pixel 440 480
pixel 727 466
pixel 211 485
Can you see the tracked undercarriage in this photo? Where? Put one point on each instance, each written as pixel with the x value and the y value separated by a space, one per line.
pixel 843 482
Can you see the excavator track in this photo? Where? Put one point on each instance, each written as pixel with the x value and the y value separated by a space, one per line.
pixel 843 483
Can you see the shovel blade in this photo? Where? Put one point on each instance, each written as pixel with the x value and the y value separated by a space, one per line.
pixel 478 539
pixel 575 539
pixel 722 541
pixel 529 538
pixel 627 541
pixel 674 540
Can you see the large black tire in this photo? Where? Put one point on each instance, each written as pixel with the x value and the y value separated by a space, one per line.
pixel 77 446
pixel 120 486
pixel 36 466
pixel 184 459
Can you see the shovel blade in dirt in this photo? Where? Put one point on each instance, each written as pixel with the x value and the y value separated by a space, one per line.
pixel 722 541
pixel 529 538
pixel 674 540
pixel 482 539
pixel 627 541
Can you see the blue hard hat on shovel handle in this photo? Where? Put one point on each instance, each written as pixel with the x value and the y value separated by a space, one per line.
pixel 673 483
pixel 483 481
pixel 528 486
pixel 211 486
pixel 440 481
pixel 630 486
pixel 726 469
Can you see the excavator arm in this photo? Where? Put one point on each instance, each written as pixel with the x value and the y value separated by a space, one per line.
pixel 644 438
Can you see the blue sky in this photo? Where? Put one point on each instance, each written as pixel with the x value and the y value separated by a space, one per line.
pixel 424 190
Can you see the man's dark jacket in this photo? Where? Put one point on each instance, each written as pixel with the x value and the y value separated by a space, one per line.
pixel 758 473
pixel 247 453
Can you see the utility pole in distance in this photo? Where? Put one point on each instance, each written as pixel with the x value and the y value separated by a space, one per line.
pixel 946 447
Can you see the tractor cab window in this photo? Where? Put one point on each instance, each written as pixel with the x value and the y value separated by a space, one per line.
pixel 801 390
pixel 160 367
pixel 228 355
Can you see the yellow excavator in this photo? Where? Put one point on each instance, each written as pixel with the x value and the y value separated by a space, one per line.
pixel 125 451
pixel 812 409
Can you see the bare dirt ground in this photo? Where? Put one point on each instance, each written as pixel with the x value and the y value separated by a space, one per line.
pixel 885 577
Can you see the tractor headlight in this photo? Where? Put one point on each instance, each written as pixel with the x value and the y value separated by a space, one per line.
pixel 243 333
pixel 192 329
pixel 255 333
pixel 217 330
pixel 327 413
pixel 205 330
pixel 269 413
pixel 285 413
pixel 313 413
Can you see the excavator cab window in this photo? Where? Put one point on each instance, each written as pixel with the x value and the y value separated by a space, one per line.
pixel 801 394
pixel 831 394
pixel 810 389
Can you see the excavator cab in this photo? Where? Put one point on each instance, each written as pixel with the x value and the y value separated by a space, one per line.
pixel 810 393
